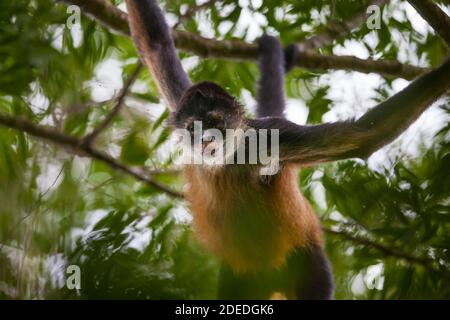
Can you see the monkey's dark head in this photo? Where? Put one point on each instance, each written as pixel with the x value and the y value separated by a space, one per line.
pixel 209 103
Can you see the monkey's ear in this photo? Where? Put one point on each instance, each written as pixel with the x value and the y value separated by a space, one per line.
pixel 172 121
pixel 200 94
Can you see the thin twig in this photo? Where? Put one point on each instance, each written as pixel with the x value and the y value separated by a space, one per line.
pixel 436 18
pixel 89 139
pixel 193 10
pixel 335 30
pixel 76 144
pixel 164 172
pixel 387 251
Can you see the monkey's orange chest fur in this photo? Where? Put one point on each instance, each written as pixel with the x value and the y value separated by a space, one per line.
pixel 250 221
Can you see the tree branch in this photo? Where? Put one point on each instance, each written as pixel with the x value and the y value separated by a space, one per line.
pixel 193 10
pixel 76 145
pixel 335 31
pixel 88 139
pixel 112 17
pixel 350 63
pixel 437 18
pixel 387 251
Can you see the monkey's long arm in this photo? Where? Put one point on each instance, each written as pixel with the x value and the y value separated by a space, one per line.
pixel 270 87
pixel 155 44
pixel 359 139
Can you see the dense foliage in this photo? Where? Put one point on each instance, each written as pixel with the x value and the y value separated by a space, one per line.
pixel 388 228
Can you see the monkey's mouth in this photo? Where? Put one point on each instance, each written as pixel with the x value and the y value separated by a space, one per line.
pixel 209 145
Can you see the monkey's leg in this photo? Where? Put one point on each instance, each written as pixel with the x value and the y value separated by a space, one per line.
pixel 308 275
pixel 241 287
pixel 305 276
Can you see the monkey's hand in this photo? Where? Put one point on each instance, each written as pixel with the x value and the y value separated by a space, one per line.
pixel 290 56
pixel 267 43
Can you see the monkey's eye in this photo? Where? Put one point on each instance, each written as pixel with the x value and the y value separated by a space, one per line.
pixel 216 119
pixel 215 116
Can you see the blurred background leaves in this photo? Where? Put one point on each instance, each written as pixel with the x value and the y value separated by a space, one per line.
pixel 388 228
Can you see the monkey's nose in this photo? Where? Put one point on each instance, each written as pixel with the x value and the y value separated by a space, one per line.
pixel 207 138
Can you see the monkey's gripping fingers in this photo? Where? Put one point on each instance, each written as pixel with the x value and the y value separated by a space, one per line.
pixel 290 56
pixel 267 43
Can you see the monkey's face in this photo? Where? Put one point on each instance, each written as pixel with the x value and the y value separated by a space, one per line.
pixel 206 109
pixel 210 104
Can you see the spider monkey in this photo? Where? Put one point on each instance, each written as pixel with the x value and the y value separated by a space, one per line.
pixel 263 228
